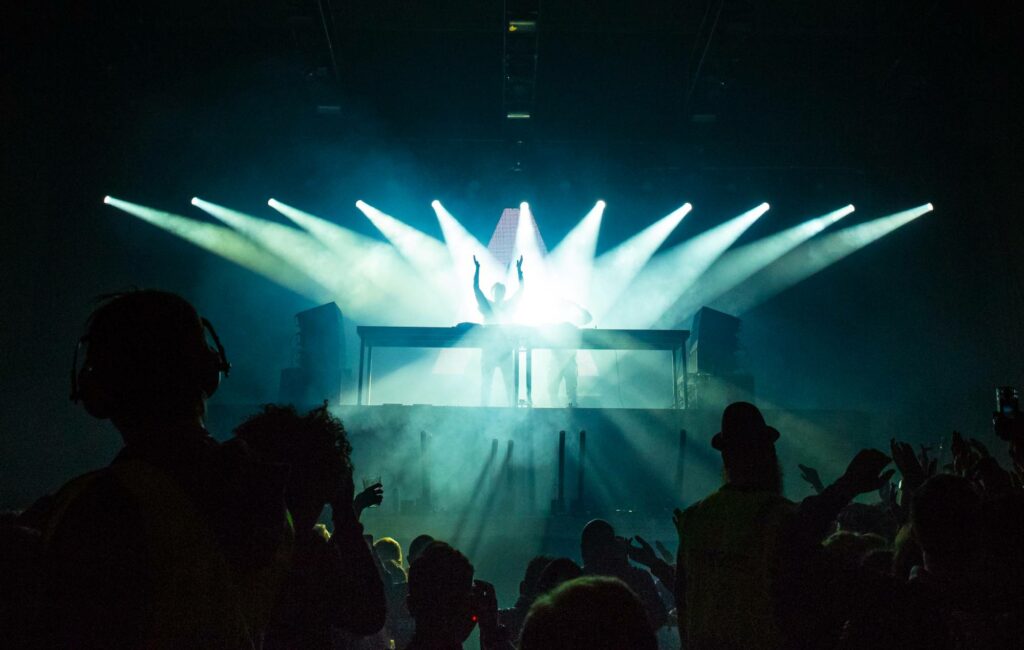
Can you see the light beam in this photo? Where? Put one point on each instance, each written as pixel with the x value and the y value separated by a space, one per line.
pixel 811 258
pixel 614 270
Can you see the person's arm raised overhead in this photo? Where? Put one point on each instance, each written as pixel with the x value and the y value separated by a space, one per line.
pixel 643 553
pixel 354 593
pixel 482 303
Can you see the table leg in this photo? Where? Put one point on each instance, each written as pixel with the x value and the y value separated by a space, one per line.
pixel 359 384
pixel 369 374
pixel 515 376
pixel 675 381
pixel 686 377
pixel 529 376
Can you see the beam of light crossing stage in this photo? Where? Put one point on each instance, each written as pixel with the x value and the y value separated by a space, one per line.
pixel 230 245
pixel 671 273
pixel 737 265
pixel 571 263
pixel 428 255
pixel 462 247
pixel 536 304
pixel 811 258
pixel 615 270
pixel 371 269
pixel 352 292
pixel 362 256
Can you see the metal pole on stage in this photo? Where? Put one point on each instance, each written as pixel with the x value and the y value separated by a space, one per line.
pixel 424 474
pixel 359 386
pixel 510 484
pixel 559 504
pixel 680 461
pixel 579 505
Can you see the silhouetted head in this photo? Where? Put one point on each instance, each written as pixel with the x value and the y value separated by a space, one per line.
pixel 416 547
pixel 747 445
pixel 441 595
pixel 528 585
pixel 147 361
pixel 598 543
pixel 389 552
pixel 314 446
pixel 498 291
pixel 850 548
pixel 557 571
pixel 589 613
pixel 944 518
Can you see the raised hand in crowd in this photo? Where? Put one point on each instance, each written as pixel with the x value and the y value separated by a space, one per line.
pixel 492 635
pixel 371 496
pixel 811 477
pixel 663 551
pixel 865 472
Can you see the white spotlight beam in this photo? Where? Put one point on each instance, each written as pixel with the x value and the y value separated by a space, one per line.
pixel 669 274
pixel 362 256
pixel 373 276
pixel 295 246
pixel 737 265
pixel 361 299
pixel 230 245
pixel 812 257
pixel 427 254
pixel 614 270
pixel 571 263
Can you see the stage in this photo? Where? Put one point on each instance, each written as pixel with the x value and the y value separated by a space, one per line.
pixel 444 459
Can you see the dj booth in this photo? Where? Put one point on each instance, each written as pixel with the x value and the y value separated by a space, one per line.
pixel 521 341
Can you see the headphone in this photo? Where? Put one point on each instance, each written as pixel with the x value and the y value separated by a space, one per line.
pixel 93 386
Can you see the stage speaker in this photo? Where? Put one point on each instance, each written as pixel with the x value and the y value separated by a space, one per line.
pixel 714 343
pixel 321 358
pixel 715 392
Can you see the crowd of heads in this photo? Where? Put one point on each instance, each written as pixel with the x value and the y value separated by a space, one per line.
pixel 186 542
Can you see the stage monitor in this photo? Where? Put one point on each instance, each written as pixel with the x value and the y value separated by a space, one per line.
pixel 714 343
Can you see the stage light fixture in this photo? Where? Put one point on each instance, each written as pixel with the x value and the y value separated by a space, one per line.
pixel 106 199
pixel 737 265
pixel 672 273
pixel 231 245
pixel 812 257
pixel 615 270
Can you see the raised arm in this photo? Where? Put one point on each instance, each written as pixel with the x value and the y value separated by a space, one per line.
pixel 519 272
pixel 482 303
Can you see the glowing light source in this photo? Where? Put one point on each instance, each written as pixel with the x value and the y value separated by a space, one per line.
pixel 614 270
pixel 671 273
pixel 570 265
pixel 811 258
pixel 737 265
pixel 230 245
pixel 371 274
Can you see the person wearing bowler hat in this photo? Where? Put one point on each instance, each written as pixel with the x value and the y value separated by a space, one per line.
pixel 731 541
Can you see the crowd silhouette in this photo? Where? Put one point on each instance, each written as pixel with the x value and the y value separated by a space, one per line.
pixel 183 541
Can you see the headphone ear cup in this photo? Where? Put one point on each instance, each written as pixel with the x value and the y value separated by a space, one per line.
pixel 210 373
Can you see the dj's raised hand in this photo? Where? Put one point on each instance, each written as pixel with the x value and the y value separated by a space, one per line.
pixel 476 263
pixel 519 264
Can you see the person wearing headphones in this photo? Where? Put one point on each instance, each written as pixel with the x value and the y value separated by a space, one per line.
pixel 180 541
